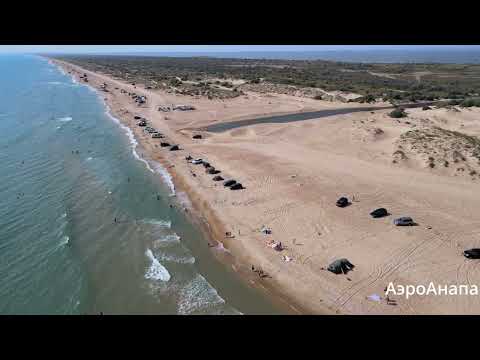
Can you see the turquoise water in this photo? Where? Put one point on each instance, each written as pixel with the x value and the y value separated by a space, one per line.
pixel 69 170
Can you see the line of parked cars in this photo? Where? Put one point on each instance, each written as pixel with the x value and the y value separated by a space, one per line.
pixel 379 213
pixel 209 169
pixel 473 253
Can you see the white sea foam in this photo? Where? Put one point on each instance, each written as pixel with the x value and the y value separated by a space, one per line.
pixel 161 223
pixel 167 178
pixel 89 158
pixel 65 240
pixel 167 240
pixel 178 259
pixel 171 238
pixel 65 119
pixel 131 137
pixel 198 295
pixel 55 83
pixel 156 271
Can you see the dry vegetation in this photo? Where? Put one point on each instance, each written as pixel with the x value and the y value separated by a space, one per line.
pixel 441 148
pixel 205 76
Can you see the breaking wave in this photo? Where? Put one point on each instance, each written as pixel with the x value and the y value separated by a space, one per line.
pixel 131 137
pixel 161 223
pixel 167 178
pixel 156 271
pixel 198 295
pixel 65 119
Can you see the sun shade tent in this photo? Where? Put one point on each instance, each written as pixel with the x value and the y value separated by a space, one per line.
pixel 342 202
pixel 340 266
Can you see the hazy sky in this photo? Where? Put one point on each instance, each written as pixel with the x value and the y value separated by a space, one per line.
pixel 204 48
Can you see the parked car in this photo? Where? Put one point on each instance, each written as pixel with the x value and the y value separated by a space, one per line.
pixel 472 254
pixel 197 161
pixel 229 183
pixel 236 186
pixel 380 212
pixel 342 202
pixel 404 221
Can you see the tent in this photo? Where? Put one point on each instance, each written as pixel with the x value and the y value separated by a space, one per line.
pixel 340 266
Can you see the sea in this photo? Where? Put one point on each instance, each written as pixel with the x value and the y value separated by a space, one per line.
pixel 401 54
pixel 86 225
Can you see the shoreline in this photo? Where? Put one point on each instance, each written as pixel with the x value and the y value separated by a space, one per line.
pixel 199 213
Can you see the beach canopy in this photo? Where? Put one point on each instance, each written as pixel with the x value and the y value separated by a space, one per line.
pixel 340 266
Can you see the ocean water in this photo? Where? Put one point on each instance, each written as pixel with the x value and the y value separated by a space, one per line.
pixel 454 55
pixel 69 170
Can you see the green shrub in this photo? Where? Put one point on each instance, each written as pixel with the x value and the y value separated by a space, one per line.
pixel 470 103
pixel 398 113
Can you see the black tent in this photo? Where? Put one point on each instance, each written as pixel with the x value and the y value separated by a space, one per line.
pixel 340 266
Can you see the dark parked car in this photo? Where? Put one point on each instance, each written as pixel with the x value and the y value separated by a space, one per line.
pixel 404 221
pixel 472 254
pixel 229 183
pixel 217 178
pixel 236 186
pixel 381 212
pixel 342 202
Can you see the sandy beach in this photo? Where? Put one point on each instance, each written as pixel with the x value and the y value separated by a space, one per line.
pixel 294 172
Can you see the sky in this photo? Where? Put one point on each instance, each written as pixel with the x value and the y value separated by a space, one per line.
pixel 209 48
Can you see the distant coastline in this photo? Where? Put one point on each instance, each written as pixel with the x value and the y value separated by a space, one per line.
pixel 442 56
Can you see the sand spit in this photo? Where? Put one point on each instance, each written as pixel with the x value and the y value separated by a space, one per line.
pixel 294 172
